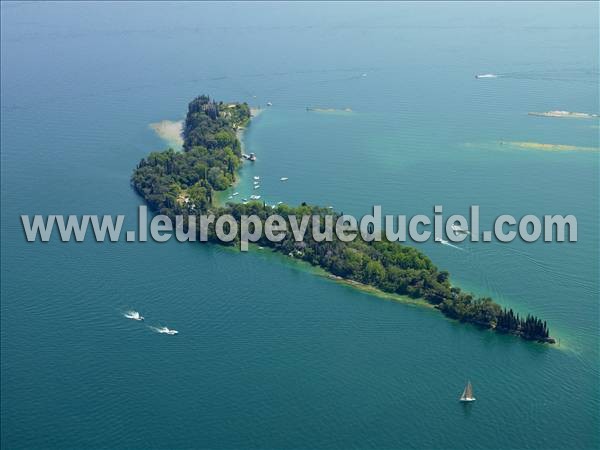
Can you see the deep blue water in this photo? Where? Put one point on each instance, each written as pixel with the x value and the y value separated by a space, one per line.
pixel 270 355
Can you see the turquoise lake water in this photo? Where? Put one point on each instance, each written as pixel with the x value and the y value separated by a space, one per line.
pixel 270 355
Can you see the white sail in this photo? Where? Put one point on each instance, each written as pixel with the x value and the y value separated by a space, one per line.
pixel 467 395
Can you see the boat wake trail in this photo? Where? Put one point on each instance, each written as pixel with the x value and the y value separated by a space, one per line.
pixel 579 76
pixel 444 242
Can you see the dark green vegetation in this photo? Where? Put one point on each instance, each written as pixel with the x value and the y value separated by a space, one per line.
pixel 530 328
pixel 182 183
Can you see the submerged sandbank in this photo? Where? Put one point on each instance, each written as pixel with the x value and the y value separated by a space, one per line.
pixel 343 111
pixel 305 266
pixel 254 112
pixel 565 114
pixel 378 292
pixel 527 145
pixel 550 147
pixel 170 131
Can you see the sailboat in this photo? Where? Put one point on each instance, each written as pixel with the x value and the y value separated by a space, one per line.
pixel 467 395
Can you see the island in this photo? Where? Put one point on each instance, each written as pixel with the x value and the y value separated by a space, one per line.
pixel 184 183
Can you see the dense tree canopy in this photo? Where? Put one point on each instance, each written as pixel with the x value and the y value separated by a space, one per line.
pixel 179 182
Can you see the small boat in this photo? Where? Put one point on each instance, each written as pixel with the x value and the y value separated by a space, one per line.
pixel 235 193
pixel 257 178
pixel 256 186
pixel 230 197
pixel 283 179
pixel 280 203
pixel 486 75
pixel 467 395
pixel 269 104
pixel 134 315
pixel 165 330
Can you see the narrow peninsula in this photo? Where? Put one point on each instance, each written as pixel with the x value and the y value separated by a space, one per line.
pixel 184 183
